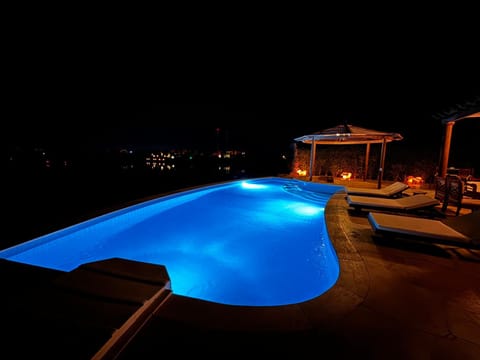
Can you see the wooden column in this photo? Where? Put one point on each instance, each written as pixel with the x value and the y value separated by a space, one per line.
pixel 312 157
pixel 367 155
pixel 446 148
pixel 382 163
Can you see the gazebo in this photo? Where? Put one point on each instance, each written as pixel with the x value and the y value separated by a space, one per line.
pixel 346 134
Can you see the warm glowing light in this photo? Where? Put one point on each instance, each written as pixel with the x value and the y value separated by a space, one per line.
pixel 414 181
pixel 302 172
pixel 346 175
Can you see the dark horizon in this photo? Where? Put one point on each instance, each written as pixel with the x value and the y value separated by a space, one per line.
pixel 146 123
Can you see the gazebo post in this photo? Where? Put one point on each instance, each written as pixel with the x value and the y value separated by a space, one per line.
pixel 312 157
pixel 382 163
pixel 367 155
pixel 446 148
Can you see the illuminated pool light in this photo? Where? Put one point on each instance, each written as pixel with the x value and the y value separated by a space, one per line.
pixel 306 209
pixel 222 243
pixel 247 185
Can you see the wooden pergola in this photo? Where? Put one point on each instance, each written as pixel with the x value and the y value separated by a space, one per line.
pixel 450 120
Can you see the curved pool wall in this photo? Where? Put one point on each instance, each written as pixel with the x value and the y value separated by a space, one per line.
pixel 257 242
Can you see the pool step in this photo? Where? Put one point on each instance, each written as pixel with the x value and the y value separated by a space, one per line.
pixel 306 194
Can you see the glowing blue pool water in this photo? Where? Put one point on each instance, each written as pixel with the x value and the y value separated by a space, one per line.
pixel 259 242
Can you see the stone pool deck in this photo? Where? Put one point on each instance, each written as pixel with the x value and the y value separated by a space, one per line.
pixel 395 300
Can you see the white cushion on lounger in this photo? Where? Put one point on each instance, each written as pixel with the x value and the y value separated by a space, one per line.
pixel 388 191
pixel 403 203
pixel 416 226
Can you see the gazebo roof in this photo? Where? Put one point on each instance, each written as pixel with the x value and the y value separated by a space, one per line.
pixel 469 109
pixel 346 134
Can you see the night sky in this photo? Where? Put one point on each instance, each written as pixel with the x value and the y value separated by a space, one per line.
pixel 124 120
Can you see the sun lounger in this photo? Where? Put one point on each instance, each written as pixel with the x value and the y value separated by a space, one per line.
pixel 392 190
pixel 463 229
pixel 403 204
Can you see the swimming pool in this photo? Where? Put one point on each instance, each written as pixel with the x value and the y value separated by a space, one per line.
pixel 257 242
